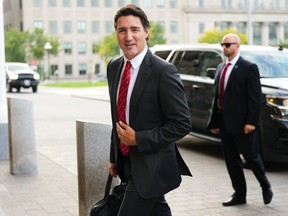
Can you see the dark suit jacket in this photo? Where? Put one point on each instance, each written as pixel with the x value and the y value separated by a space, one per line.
pixel 159 115
pixel 242 97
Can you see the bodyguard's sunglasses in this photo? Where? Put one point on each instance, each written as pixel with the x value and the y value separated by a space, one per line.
pixel 227 45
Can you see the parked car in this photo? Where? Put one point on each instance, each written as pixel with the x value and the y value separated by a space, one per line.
pixel 20 75
pixel 197 66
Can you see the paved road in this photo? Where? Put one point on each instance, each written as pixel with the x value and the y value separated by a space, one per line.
pixel 54 190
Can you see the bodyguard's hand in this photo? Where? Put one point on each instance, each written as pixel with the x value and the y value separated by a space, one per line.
pixel 248 128
pixel 112 169
pixel 126 134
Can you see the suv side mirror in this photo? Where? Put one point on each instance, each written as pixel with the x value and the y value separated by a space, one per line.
pixel 211 72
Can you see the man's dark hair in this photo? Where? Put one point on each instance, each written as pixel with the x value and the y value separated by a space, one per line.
pixel 134 10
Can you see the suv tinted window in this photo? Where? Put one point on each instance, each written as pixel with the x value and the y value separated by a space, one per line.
pixel 187 62
pixel 210 61
pixel 163 54
pixel 272 64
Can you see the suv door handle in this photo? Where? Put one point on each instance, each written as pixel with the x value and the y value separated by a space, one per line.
pixel 195 86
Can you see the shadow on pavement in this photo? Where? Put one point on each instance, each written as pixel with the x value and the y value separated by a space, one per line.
pixel 201 146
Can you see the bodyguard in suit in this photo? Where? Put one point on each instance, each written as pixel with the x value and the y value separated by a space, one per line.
pixel 143 151
pixel 235 113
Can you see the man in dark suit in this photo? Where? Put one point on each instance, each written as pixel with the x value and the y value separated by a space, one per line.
pixel 156 115
pixel 235 112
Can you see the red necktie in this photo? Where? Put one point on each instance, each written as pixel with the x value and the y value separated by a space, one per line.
pixel 222 85
pixel 122 101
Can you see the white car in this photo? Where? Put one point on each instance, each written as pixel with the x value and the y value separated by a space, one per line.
pixel 20 75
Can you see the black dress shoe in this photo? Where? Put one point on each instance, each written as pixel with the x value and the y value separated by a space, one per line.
pixel 236 200
pixel 267 195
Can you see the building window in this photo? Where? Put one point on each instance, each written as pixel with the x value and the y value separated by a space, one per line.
pixel 97 69
pixel 94 3
pixel 80 3
pixel 224 25
pixel 173 3
pixel 67 46
pixel 108 3
pixel 121 3
pixel 52 3
pixel 38 24
pixel 81 27
pixel 68 69
pixel 148 3
pixel 201 4
pixel 135 2
pixel 67 26
pixel 272 34
pixel 54 70
pixel 286 4
pixel 258 4
pixel 241 27
pixel 109 27
pixel 81 48
pixel 173 27
pixel 66 3
pixel 286 32
pixel 160 3
pixel 201 28
pixel 257 40
pixel 37 3
pixel 82 69
pixel 240 4
pixel 274 4
pixel 95 26
pixel 226 4
pixel 53 28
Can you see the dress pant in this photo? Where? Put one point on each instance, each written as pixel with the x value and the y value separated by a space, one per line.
pixel 133 204
pixel 245 144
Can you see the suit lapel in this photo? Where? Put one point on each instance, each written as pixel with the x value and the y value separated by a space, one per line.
pixel 117 70
pixel 140 84
pixel 234 72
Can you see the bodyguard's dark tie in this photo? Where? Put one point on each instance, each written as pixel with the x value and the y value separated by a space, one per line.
pixel 222 85
pixel 122 102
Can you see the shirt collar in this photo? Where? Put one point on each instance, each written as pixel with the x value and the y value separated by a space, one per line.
pixel 137 60
pixel 234 60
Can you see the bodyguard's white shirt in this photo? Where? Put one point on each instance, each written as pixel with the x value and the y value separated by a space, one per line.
pixel 135 66
pixel 229 69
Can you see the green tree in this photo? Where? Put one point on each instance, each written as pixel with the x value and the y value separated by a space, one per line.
pixel 216 36
pixel 36 41
pixel 15 43
pixel 156 34
pixel 108 48
pixel 284 44
pixel 24 46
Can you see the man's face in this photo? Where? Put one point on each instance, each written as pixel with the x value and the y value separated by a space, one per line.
pixel 131 35
pixel 230 46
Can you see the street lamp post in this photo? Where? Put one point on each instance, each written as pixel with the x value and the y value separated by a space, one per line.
pixel 48 48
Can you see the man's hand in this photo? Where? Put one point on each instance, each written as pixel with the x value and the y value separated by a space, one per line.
pixel 112 169
pixel 248 128
pixel 126 134
pixel 214 130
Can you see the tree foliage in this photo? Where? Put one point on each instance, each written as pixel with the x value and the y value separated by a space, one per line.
pixel 15 43
pixel 108 48
pixel 156 34
pixel 25 46
pixel 216 36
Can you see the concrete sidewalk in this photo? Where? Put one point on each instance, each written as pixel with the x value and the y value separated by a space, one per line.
pixel 53 191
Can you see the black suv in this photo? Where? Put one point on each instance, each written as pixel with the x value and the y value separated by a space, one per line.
pixel 197 66
pixel 20 75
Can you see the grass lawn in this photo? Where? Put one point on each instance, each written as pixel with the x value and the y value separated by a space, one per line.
pixel 74 84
